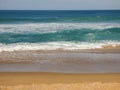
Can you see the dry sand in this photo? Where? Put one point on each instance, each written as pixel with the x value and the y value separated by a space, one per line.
pixel 59 81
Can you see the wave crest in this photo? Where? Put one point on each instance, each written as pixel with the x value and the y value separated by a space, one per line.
pixel 54 27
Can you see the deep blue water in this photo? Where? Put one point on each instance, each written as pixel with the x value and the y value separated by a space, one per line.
pixel 12 16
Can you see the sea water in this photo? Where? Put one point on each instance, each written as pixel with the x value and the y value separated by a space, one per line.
pixel 54 29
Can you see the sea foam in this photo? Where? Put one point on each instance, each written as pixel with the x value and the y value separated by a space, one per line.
pixel 56 46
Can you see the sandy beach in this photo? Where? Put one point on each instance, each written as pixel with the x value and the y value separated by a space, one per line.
pixel 59 81
pixel 60 70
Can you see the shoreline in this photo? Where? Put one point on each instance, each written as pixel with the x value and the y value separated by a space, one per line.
pixel 60 47
pixel 103 49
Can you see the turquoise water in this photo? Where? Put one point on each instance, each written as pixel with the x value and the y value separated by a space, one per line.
pixel 56 27
pixel 76 35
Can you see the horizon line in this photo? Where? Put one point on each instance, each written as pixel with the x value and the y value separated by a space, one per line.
pixel 61 9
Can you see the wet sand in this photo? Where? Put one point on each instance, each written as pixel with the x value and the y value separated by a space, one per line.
pixel 59 81
pixel 81 61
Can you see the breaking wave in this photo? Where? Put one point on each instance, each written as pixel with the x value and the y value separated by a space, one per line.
pixel 56 46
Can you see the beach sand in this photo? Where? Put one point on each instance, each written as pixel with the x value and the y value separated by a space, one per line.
pixel 69 70
pixel 59 81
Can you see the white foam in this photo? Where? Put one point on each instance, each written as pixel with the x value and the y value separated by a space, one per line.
pixel 55 46
pixel 53 27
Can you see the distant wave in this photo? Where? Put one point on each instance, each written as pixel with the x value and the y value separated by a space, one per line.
pixel 59 19
pixel 54 27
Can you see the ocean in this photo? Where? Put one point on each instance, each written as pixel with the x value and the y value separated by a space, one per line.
pixel 58 29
